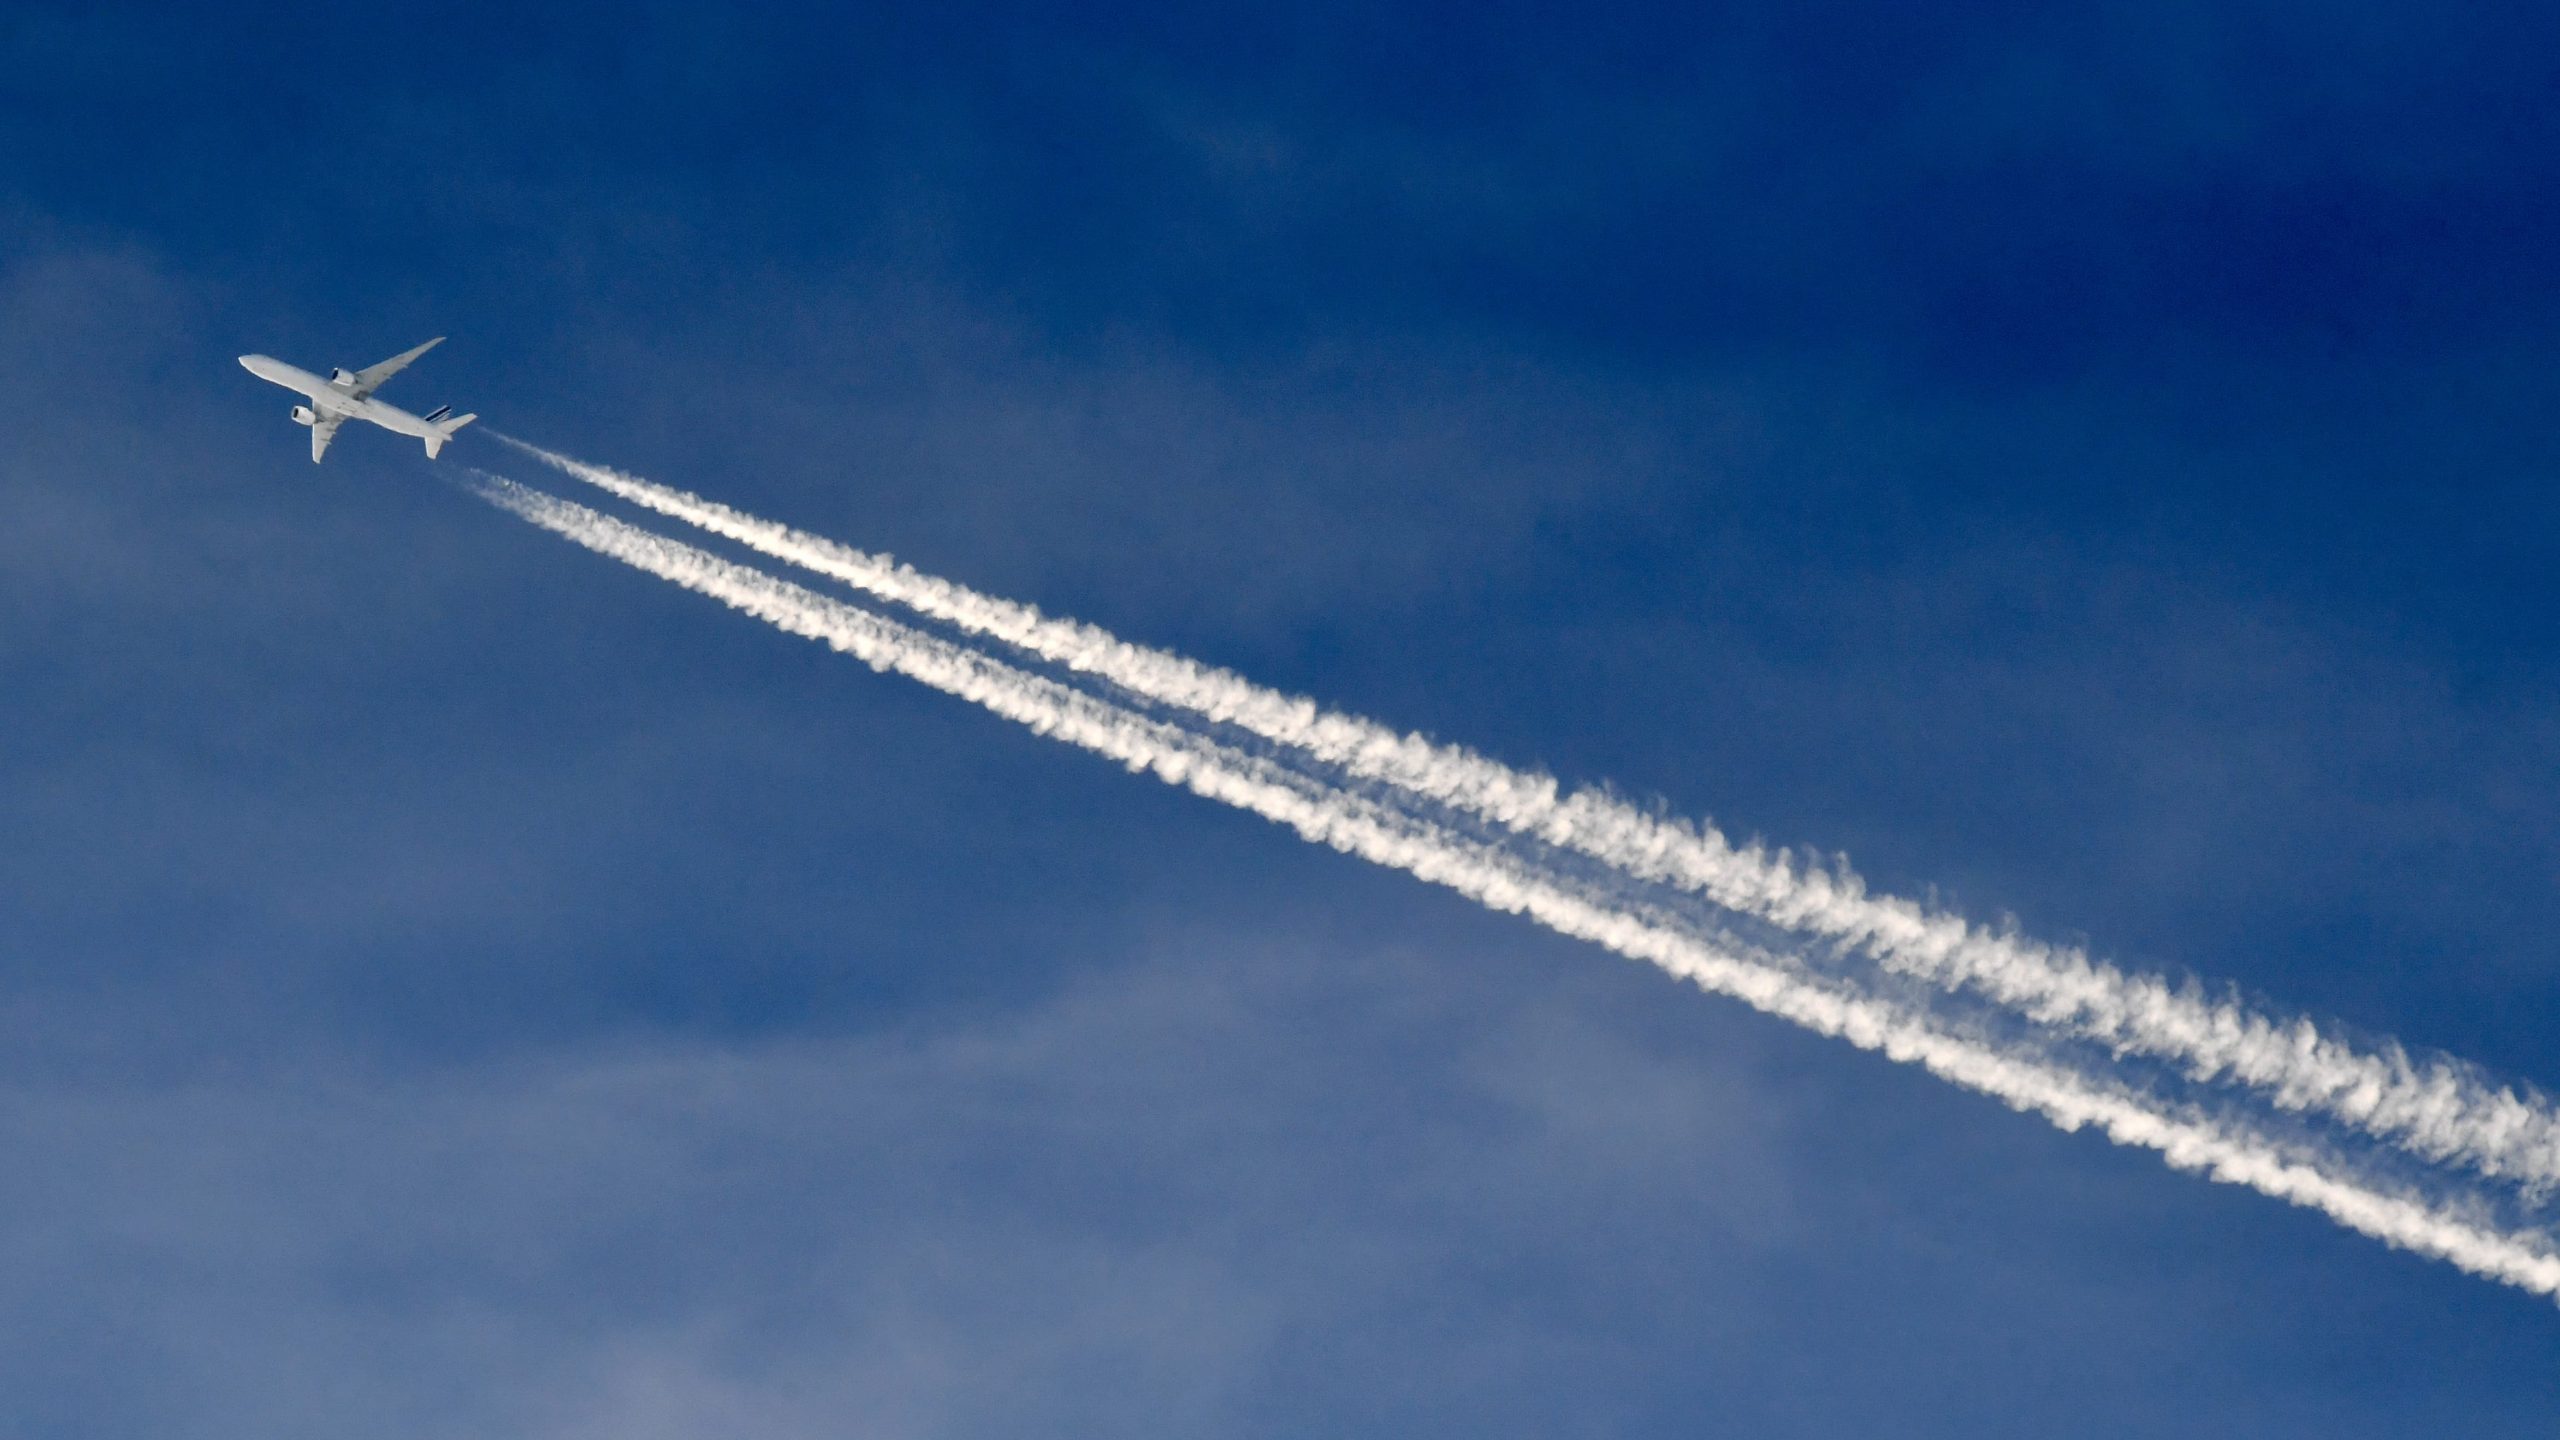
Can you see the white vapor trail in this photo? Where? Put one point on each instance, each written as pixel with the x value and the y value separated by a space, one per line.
pixel 1377 830
pixel 2438 1109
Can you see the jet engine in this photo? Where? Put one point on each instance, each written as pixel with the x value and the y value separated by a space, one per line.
pixel 302 415
pixel 343 378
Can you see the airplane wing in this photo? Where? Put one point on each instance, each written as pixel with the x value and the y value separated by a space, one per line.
pixel 323 430
pixel 370 378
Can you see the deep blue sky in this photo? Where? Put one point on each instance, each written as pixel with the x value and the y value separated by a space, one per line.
pixel 2093 461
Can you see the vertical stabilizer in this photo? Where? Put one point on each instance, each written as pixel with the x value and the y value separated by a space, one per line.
pixel 440 433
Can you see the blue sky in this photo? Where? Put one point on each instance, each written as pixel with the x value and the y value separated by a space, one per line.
pixel 2091 463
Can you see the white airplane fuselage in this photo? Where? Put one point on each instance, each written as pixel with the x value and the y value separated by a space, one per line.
pixel 336 399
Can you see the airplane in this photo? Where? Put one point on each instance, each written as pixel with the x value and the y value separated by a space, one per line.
pixel 348 395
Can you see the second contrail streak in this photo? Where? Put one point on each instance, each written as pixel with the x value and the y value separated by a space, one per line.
pixel 1377 830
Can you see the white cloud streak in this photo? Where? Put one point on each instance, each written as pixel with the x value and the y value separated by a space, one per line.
pixel 2438 1109
pixel 1379 832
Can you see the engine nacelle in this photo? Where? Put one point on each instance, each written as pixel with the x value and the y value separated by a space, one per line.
pixel 342 378
pixel 302 415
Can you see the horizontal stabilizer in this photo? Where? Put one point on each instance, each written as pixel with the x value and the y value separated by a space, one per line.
pixel 437 414
pixel 443 431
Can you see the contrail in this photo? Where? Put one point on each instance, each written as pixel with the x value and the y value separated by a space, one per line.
pixel 2440 1110
pixel 1377 831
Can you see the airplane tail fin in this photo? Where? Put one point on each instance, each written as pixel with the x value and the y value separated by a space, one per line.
pixel 442 431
